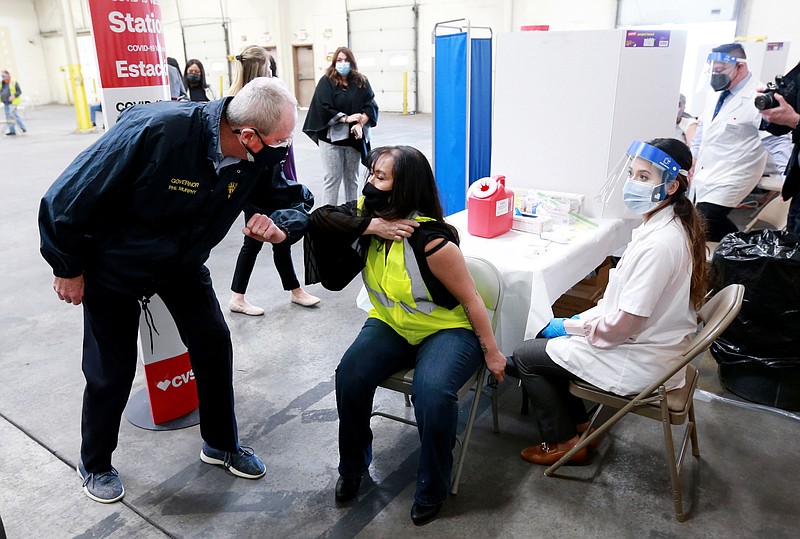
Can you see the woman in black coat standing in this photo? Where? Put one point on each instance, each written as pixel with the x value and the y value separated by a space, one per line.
pixel 341 114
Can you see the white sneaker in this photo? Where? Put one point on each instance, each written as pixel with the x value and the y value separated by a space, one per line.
pixel 305 299
pixel 250 310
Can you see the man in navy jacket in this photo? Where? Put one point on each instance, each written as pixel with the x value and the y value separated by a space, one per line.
pixel 137 214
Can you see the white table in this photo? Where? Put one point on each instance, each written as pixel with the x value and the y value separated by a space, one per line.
pixel 533 282
pixel 771 183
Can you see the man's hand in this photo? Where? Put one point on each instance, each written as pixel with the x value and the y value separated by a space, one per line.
pixel 261 228
pixel 391 230
pixel 783 114
pixel 69 289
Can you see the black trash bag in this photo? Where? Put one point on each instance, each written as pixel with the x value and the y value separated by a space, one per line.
pixel 759 353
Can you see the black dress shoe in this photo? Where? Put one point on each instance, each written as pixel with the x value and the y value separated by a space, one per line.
pixel 347 488
pixel 422 514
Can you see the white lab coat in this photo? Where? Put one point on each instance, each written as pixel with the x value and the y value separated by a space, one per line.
pixel 731 158
pixel 653 280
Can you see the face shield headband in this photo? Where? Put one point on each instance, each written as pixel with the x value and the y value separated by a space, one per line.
pixel 721 80
pixel 640 194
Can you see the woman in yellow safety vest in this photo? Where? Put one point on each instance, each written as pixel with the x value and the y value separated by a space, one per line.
pixel 426 313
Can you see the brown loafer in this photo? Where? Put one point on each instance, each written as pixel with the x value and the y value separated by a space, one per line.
pixel 547 455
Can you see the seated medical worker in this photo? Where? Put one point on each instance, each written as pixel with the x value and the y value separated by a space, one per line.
pixel 426 313
pixel 648 312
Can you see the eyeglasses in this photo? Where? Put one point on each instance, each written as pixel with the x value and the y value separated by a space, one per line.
pixel 285 143
pixel 282 143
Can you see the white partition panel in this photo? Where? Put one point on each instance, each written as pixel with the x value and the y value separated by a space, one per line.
pixel 568 104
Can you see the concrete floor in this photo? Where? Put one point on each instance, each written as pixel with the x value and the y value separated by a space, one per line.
pixel 744 484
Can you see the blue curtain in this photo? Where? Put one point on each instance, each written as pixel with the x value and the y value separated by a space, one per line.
pixel 480 110
pixel 450 120
pixel 450 117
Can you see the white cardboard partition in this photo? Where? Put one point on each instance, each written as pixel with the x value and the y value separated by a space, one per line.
pixel 568 105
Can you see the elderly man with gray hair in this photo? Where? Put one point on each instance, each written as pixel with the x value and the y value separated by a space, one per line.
pixel 137 214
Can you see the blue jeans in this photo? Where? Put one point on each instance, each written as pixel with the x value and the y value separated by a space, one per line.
pixel 443 362
pixel 12 116
pixel 93 110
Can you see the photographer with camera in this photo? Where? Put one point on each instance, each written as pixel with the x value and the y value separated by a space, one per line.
pixel 779 106
pixel 730 157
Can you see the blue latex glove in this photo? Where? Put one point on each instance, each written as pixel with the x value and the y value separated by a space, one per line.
pixel 555 328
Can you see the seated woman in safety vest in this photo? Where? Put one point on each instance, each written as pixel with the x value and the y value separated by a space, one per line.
pixel 426 313
pixel 648 312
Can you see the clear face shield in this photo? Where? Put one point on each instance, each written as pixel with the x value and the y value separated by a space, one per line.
pixel 720 69
pixel 646 174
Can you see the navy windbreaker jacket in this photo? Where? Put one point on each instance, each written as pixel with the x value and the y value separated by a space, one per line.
pixel 144 203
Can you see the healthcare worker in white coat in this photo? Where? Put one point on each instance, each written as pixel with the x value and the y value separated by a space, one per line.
pixel 648 312
pixel 730 158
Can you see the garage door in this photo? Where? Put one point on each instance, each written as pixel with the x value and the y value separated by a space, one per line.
pixel 384 43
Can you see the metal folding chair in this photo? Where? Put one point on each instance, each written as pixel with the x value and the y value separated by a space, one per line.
pixel 489 284
pixel 669 407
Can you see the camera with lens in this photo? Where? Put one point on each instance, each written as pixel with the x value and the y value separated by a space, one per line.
pixel 780 86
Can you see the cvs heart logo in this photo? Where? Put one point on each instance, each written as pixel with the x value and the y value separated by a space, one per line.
pixel 177 381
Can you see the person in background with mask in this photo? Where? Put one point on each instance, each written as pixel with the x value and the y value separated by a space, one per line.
pixel 339 119
pixel 730 157
pixel 118 228
pixel 10 96
pixel 439 326
pixel 252 62
pixel 646 316
pixel 194 76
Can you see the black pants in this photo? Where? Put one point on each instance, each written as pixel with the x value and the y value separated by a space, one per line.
pixel 281 255
pixel 557 411
pixel 717 222
pixel 111 322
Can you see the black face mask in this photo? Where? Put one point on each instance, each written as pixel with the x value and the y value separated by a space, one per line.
pixel 193 78
pixel 269 156
pixel 375 199
pixel 720 81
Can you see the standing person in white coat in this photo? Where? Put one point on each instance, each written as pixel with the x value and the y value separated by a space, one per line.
pixel 646 316
pixel 730 156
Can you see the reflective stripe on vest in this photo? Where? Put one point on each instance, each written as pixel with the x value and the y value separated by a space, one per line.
pixel 398 293
pixel 418 289
pixel 12 87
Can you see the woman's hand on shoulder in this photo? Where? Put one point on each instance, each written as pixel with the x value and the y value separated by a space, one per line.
pixel 394 230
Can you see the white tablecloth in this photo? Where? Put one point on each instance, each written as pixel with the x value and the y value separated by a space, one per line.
pixel 533 282
pixel 536 272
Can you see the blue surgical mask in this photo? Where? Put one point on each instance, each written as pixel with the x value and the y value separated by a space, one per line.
pixel 640 197
pixel 343 68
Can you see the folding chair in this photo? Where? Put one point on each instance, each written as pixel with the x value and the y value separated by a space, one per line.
pixel 489 284
pixel 774 213
pixel 655 402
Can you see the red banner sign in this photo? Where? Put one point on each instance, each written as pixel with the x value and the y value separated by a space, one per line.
pixel 129 38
